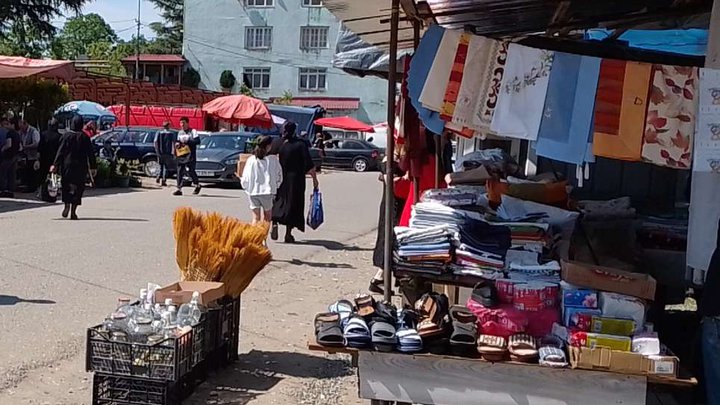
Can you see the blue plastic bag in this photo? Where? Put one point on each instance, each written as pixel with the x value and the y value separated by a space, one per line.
pixel 315 216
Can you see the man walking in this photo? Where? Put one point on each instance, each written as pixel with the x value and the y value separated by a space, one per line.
pixel 164 142
pixel 185 152
pixel 30 138
pixel 9 151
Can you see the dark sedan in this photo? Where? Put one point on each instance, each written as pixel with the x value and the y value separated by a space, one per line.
pixel 217 156
pixel 133 143
pixel 353 154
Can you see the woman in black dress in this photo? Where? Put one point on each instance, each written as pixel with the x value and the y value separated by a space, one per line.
pixel 74 159
pixel 296 162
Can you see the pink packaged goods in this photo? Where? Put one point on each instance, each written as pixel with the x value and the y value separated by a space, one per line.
pixel 580 318
pixel 552 292
pixel 529 297
pixel 505 289
pixel 578 297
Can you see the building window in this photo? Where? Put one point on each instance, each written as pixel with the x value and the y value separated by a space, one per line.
pixel 259 3
pixel 313 37
pixel 257 78
pixel 312 3
pixel 258 37
pixel 313 79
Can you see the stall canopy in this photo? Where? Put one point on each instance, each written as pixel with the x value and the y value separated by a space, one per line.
pixel 240 109
pixel 12 67
pixel 346 123
pixel 87 109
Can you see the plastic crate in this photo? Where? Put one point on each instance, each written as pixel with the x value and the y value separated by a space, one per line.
pixel 168 360
pixel 117 390
pixel 199 341
pixel 223 329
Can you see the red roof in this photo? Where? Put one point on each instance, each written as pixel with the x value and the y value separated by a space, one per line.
pixel 328 103
pixel 155 58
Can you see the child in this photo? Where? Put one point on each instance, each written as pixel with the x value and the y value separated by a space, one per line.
pixel 261 178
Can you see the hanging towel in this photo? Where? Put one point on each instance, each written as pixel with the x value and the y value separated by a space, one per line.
pixel 620 106
pixel 567 120
pixel 418 73
pixel 670 121
pixel 456 76
pixel 522 92
pixel 433 92
pixel 704 207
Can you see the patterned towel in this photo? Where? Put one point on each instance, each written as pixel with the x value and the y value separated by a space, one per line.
pixel 522 92
pixel 433 92
pixel 417 76
pixel 620 107
pixel 456 77
pixel 670 122
pixel 567 120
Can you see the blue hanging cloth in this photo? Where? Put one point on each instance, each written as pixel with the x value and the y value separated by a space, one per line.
pixel 566 125
pixel 419 69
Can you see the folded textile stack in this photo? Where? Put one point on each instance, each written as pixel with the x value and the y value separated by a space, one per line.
pixel 480 246
pixel 423 250
pixel 451 197
pixel 431 214
pixel 530 236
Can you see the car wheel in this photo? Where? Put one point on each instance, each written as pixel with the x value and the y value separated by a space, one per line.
pixel 151 167
pixel 360 165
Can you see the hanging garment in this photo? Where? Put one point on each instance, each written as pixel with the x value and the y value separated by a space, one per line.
pixel 704 207
pixel 567 120
pixel 670 121
pixel 433 91
pixel 620 106
pixel 456 76
pixel 413 140
pixel 522 93
pixel 418 73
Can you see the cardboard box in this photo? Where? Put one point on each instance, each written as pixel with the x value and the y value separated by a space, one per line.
pixel 612 326
pixel 181 292
pixel 604 359
pixel 594 340
pixel 242 159
pixel 609 279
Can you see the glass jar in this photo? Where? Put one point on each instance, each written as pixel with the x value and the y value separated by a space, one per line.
pixel 116 322
pixel 140 329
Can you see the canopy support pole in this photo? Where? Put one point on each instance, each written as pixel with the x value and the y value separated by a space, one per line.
pixel 416 43
pixel 389 195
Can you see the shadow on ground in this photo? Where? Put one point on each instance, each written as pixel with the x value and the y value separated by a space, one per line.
pixel 7 300
pixel 298 262
pixel 26 201
pixel 256 373
pixel 333 245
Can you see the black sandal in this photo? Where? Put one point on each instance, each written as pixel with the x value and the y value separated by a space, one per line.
pixel 327 330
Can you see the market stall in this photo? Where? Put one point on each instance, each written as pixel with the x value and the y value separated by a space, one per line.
pixel 530 247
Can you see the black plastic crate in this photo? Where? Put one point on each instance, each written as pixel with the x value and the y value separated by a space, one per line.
pixel 118 390
pixel 168 360
pixel 199 341
pixel 223 327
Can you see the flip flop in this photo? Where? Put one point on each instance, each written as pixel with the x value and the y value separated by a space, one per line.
pixel 327 330
pixel 523 348
pixel 552 352
pixel 463 338
pixel 356 332
pixel 408 339
pixel 384 337
pixel 492 348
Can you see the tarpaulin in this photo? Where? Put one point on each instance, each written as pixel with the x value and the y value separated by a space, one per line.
pixel 12 67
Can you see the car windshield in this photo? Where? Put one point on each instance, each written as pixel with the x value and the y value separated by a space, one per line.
pixel 224 142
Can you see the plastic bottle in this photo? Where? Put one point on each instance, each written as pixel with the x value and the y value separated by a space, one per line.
pixel 190 314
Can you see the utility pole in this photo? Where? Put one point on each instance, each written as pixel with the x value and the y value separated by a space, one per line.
pixel 137 45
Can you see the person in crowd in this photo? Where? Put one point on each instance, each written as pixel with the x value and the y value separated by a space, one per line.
pixel 74 160
pixel 10 153
pixel 109 154
pixel 49 144
pixel 90 129
pixel 289 206
pixel 261 178
pixel 164 142
pixel 710 312
pixel 185 152
pixel 30 138
pixel 399 203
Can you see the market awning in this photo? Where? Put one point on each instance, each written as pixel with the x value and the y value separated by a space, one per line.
pixel 328 103
pixel 12 67
pixel 346 123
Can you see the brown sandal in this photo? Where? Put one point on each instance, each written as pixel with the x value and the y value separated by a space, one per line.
pixel 432 309
pixel 492 348
pixel 365 305
pixel 523 348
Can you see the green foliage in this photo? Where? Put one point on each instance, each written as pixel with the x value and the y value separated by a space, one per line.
pixel 23 39
pixel 246 91
pixel 191 78
pixel 38 98
pixel 36 15
pixel 285 99
pixel 169 33
pixel 81 33
pixel 227 79
pixel 104 173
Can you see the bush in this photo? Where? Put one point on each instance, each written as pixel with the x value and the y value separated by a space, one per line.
pixel 227 79
pixel 191 78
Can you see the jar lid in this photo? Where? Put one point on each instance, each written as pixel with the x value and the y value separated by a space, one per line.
pixel 156 338
pixel 143 320
pixel 118 315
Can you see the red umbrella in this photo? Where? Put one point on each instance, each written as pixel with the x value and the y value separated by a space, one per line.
pixel 346 123
pixel 240 109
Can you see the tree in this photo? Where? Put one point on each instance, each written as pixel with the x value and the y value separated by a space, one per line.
pixel 227 79
pixel 285 99
pixel 36 14
pixel 22 39
pixel 169 33
pixel 191 78
pixel 80 33
pixel 245 90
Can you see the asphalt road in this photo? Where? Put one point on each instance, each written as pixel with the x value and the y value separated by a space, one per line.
pixel 57 277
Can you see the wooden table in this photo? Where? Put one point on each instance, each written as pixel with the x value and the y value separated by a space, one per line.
pixel 433 379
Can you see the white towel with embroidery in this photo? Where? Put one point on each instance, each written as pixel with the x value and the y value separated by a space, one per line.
pixel 433 93
pixel 522 93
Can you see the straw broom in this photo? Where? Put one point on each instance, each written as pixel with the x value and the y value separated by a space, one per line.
pixel 211 247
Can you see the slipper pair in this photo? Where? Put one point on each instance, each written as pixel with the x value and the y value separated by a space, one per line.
pixel 485 293
pixel 552 352
pixel 382 327
pixel 409 341
pixel 523 348
pixel 433 310
pixel 327 330
pixel 464 336
pixel 492 348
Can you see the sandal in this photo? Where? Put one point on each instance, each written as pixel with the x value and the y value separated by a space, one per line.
pixel 365 305
pixel 464 335
pixel 552 353
pixel 492 348
pixel 327 330
pixel 342 307
pixel 523 348
pixel 356 332
pixel 485 293
pixel 433 309
pixel 383 336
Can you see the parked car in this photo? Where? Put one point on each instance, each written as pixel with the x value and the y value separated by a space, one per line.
pixel 218 154
pixel 133 143
pixel 353 154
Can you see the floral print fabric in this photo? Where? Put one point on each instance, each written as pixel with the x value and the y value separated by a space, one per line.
pixel 670 122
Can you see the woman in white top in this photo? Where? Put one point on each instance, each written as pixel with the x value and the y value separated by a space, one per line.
pixel 261 178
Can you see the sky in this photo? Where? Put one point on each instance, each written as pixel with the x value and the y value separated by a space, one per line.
pixel 121 15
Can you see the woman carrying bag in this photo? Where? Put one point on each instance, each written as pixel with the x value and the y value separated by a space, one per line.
pixel 261 177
